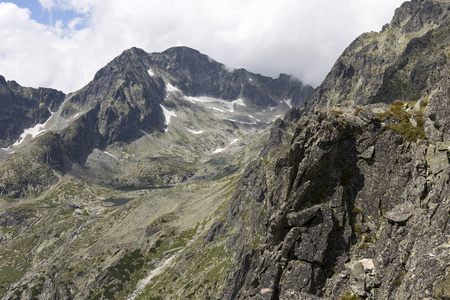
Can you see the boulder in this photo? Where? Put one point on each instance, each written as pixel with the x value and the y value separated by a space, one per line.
pixel 400 213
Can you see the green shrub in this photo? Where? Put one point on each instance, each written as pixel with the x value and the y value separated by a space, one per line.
pixel 400 122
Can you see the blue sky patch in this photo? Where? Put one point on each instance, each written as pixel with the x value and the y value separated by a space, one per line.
pixel 49 17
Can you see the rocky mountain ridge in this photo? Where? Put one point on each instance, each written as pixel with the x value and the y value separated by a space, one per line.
pixel 399 63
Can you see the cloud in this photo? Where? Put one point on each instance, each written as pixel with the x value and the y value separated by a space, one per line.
pixel 299 37
pixel 47 4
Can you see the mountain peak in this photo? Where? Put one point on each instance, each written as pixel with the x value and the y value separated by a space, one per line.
pixel 380 67
pixel 182 50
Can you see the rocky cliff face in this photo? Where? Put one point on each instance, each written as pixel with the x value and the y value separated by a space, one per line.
pixel 354 209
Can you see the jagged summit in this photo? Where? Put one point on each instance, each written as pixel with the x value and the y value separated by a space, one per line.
pixel 398 63
pixel 196 74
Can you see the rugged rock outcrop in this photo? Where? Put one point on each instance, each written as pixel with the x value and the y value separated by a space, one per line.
pixel 349 189
pixel 32 169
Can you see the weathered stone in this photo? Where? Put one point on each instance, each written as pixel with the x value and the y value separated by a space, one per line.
pixel 297 276
pixel 367 264
pixel 443 146
pixel 367 115
pixel 356 270
pixel 400 213
pixel 295 295
pixel 314 239
pixel 289 241
pixel 368 153
pixel 302 217
pixel 437 160
pixel 358 287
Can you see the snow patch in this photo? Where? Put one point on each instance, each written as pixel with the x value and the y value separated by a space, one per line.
pixel 247 123
pixel 150 72
pixel 171 89
pixel 251 79
pixel 218 150
pixel 194 131
pixel 168 115
pixel 8 150
pixel 229 105
pixel 288 102
pixel 252 117
pixel 32 132
pixel 234 141
pixel 217 109
pixel 75 116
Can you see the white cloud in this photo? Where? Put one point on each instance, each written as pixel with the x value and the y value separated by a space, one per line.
pixel 47 4
pixel 299 37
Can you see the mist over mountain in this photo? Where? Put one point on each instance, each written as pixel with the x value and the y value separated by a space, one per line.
pixel 172 176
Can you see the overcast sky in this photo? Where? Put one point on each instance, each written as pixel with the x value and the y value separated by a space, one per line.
pixel 62 43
